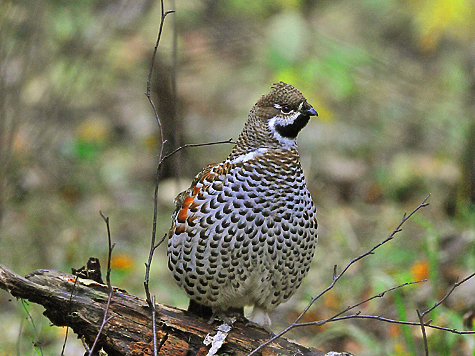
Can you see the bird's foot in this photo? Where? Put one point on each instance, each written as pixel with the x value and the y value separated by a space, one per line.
pixel 256 325
pixel 229 316
pixel 260 318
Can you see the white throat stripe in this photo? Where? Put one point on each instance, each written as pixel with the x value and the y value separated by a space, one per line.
pixel 276 120
pixel 248 156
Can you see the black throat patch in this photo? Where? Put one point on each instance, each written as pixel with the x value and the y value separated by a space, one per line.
pixel 292 130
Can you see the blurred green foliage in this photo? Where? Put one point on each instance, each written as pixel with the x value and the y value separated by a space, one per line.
pixel 393 83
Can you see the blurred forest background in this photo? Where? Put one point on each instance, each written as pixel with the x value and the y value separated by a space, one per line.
pixel 393 82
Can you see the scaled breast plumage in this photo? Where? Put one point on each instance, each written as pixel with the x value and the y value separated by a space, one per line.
pixel 244 233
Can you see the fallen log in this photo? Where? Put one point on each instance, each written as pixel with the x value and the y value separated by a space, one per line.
pixel 80 303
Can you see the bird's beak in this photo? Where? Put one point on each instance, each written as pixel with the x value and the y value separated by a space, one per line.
pixel 312 112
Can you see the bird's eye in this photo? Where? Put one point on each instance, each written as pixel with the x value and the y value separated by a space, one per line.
pixel 285 109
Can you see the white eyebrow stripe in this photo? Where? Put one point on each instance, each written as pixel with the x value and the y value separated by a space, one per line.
pixel 300 106
pixel 250 155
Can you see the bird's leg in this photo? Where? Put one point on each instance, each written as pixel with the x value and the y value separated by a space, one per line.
pixel 200 310
pixel 260 318
pixel 227 315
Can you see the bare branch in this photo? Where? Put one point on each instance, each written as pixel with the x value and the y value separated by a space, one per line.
pixel 420 323
pixel 423 329
pixel 24 304
pixel 160 242
pixel 337 277
pixel 161 156
pixel 154 328
pixel 448 294
pixel 111 247
pixel 157 176
pixel 84 344
pixel 69 312
pixel 379 295
pixel 400 322
pixel 168 155
pixel 105 319
pixel 367 253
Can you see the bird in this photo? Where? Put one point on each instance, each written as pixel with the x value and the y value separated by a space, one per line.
pixel 244 233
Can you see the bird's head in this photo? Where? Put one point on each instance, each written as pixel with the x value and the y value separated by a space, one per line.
pixel 285 112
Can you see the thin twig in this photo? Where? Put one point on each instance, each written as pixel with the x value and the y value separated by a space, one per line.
pixel 153 246
pixel 337 276
pixel 69 312
pixel 338 315
pixel 379 295
pixel 168 155
pixel 84 344
pixel 160 242
pixel 157 176
pixel 392 321
pixel 111 247
pixel 448 293
pixel 161 156
pixel 154 328
pixel 420 323
pixel 24 303
pixel 105 319
pixel 65 340
pixel 423 329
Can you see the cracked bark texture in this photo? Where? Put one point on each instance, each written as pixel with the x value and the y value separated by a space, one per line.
pixel 80 303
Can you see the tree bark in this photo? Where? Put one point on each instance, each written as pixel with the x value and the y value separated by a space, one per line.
pixel 80 304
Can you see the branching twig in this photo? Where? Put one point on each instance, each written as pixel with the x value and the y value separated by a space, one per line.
pixel 168 155
pixel 399 322
pixel 35 330
pixel 336 316
pixel 337 276
pixel 111 247
pixel 424 313
pixel 154 328
pixel 67 328
pixel 161 157
pixel 379 295
pixel 447 295
pixel 157 176
pixel 85 345
pixel 105 319
pixel 428 324
pixel 423 329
